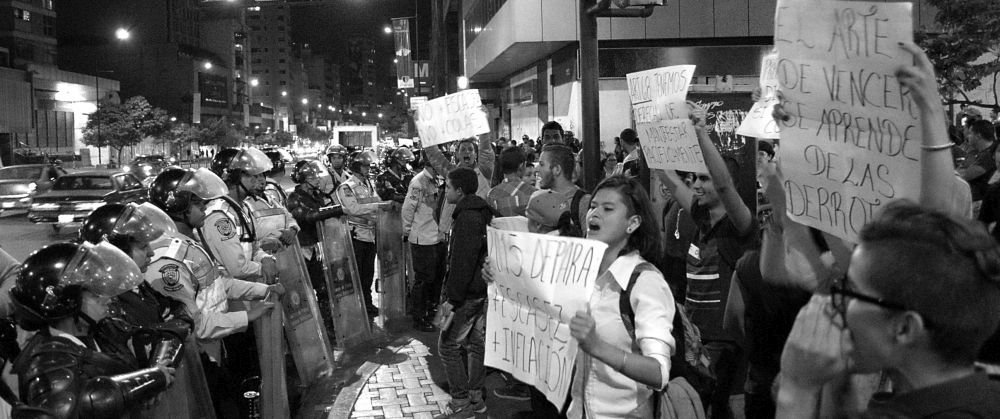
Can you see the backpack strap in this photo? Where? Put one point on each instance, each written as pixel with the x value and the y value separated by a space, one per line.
pixel 575 206
pixel 624 302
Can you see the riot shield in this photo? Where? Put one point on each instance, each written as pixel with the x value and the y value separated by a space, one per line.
pixel 188 397
pixel 350 320
pixel 307 337
pixel 271 347
pixel 392 266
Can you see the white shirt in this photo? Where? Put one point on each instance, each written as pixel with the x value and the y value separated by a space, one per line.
pixel 604 391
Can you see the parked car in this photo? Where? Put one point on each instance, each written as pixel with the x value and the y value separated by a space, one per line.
pixel 19 184
pixel 146 167
pixel 75 195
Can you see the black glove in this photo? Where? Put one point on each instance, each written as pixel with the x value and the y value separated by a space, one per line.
pixel 331 212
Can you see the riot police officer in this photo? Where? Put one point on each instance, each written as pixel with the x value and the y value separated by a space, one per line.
pixel 392 184
pixel 143 324
pixel 62 292
pixel 360 203
pixel 229 232
pixel 335 158
pixel 184 270
pixel 270 218
pixel 310 205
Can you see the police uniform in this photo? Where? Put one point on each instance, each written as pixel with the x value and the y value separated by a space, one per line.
pixel 340 177
pixel 269 216
pixel 392 186
pixel 274 194
pixel 223 235
pixel 360 203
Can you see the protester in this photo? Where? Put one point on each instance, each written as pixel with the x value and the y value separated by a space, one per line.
pixel 422 228
pixel 634 163
pixel 62 292
pixel 620 366
pixel 360 203
pixel 926 341
pixel 608 164
pixel 462 343
pixel 510 197
pixel 725 228
pixel 558 204
pixel 552 133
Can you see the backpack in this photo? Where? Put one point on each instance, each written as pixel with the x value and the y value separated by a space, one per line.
pixel 692 380
pixel 569 224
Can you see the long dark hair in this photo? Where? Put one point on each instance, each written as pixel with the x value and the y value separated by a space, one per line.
pixel 646 239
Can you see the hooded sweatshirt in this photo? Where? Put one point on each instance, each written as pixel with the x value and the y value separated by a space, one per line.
pixel 468 249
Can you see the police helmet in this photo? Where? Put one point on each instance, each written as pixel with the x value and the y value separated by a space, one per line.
pixel 119 223
pixel 305 169
pixel 360 159
pixel 173 188
pixel 403 155
pixel 222 160
pixel 50 284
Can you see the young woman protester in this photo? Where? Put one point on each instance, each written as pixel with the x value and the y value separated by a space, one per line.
pixel 618 368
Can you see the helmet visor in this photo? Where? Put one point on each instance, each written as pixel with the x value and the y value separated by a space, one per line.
pixel 144 223
pixel 102 269
pixel 204 183
pixel 253 161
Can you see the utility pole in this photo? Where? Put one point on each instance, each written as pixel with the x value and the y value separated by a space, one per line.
pixel 589 97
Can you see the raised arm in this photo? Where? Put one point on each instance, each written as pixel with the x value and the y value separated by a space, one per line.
pixel 487 157
pixel 936 166
pixel 438 160
pixel 680 190
pixel 723 180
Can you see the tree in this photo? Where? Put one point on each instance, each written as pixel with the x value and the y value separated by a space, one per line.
pixel 968 30
pixel 181 135
pixel 124 125
pixel 222 133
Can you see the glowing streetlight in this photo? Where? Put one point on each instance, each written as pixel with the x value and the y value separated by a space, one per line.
pixel 319 106
pixel 284 93
pixel 331 108
pixel 364 114
pixel 380 115
pixel 208 65
pixel 395 60
pixel 254 82
pixel 305 101
pixel 387 30
pixel 122 34
pixel 463 83
pixel 173 119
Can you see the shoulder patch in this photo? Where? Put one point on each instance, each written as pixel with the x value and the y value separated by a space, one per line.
pixel 226 228
pixel 171 276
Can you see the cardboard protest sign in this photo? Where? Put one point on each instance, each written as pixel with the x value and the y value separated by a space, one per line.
pixel 852 142
pixel 450 118
pixel 758 122
pixel 515 223
pixel 661 118
pixel 541 282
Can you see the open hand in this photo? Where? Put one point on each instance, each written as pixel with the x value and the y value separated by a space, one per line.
pixel 919 78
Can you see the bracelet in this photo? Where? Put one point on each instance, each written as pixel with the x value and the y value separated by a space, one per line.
pixel 937 147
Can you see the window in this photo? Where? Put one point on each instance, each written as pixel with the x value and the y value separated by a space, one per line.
pixel 284 83
pixel 22 14
pixel 48 4
pixel 254 49
pixel 49 25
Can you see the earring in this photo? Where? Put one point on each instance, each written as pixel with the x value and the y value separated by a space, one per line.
pixel 628 230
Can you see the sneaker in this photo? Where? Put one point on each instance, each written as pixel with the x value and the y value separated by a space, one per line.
pixel 462 410
pixel 513 391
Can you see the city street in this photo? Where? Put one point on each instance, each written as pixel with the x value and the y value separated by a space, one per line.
pixel 20 237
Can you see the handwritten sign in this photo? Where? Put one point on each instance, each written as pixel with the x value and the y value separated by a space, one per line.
pixel 852 142
pixel 661 118
pixel 451 118
pixel 515 223
pixel 541 282
pixel 758 122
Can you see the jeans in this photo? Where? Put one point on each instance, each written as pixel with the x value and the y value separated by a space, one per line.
pixel 725 357
pixel 364 255
pixel 428 269
pixel 462 348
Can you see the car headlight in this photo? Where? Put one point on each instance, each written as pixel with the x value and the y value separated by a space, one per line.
pixel 147 170
pixel 32 187
pixel 44 207
pixel 127 168
pixel 88 206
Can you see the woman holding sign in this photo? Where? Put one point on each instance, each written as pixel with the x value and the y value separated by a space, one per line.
pixel 624 335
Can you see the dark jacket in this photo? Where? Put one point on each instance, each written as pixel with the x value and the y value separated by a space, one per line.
pixel 468 249
pixel 304 204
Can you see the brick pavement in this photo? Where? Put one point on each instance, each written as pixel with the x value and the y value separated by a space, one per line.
pixel 403 389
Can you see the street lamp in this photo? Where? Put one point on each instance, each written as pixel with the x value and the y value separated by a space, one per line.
pixel 208 65
pixel 463 83
pixel 305 101
pixel 284 93
pixel 122 34
pixel 387 30
pixel 254 82
pixel 380 115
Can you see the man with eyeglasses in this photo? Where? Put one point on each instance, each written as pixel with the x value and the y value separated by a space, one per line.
pixel 921 296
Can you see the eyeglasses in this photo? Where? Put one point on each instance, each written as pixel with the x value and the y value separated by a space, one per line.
pixel 840 291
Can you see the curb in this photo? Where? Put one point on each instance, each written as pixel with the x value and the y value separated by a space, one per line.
pixel 348 395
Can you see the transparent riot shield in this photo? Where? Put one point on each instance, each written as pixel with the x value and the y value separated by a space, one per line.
pixel 340 269
pixel 188 396
pixel 304 330
pixel 392 262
